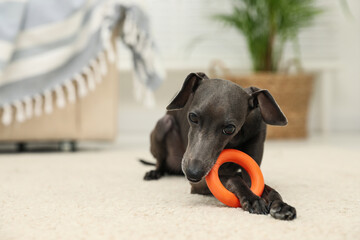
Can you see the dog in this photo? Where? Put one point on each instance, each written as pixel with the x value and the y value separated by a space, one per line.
pixel 207 116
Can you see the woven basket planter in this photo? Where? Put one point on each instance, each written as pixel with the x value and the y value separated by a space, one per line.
pixel 291 92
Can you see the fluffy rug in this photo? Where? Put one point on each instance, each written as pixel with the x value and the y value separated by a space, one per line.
pixel 101 195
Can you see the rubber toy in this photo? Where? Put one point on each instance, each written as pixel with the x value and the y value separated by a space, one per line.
pixel 247 163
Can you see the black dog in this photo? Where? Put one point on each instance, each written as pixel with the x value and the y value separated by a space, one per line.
pixel 207 116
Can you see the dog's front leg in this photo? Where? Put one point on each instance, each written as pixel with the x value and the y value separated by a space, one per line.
pixel 248 200
pixel 167 147
pixel 158 147
pixel 278 208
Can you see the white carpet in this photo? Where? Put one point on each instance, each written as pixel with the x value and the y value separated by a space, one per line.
pixel 101 195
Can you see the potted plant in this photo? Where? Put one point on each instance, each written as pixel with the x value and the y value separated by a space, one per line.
pixel 267 26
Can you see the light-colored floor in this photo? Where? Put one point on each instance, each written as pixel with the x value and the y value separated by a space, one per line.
pixel 99 194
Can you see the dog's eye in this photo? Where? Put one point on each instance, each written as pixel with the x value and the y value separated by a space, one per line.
pixel 229 129
pixel 193 118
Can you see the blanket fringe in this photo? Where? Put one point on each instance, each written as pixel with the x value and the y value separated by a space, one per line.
pixel 48 102
pixel 72 89
pixel 81 85
pixel 20 116
pixel 96 68
pixel 7 114
pixel 149 69
pixel 90 78
pixel 28 107
pixel 38 105
pixel 60 98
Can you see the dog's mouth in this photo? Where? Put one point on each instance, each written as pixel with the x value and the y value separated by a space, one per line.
pixel 193 180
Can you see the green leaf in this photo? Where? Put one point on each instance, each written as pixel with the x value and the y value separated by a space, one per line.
pixel 267 25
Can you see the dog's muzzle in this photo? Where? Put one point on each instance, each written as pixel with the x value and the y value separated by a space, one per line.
pixel 195 171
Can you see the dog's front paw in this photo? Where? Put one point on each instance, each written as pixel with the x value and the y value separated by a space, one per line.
pixel 248 200
pixel 153 175
pixel 282 211
pixel 254 204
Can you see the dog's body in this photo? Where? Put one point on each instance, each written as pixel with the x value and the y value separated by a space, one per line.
pixel 207 116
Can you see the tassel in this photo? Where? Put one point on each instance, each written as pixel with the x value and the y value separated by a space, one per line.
pixel 20 116
pixel 82 90
pixel 96 68
pixel 129 30
pixel 139 45
pixel 7 114
pixel 48 107
pixel 70 91
pixel 38 105
pixel 60 98
pixel 28 107
pixel 126 28
pixel 103 63
pixel 90 78
pixel 106 37
pixel 141 73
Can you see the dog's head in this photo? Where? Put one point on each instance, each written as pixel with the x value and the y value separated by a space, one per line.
pixel 217 110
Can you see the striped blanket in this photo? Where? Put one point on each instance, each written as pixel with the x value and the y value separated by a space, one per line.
pixel 47 47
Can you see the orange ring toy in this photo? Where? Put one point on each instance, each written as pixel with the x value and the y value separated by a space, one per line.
pixel 245 161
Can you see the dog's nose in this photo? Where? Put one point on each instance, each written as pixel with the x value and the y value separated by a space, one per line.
pixel 195 171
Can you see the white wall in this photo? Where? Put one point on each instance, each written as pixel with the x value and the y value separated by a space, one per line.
pixel 346 90
pixel 331 47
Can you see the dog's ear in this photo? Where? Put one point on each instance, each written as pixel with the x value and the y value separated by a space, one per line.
pixel 190 84
pixel 270 110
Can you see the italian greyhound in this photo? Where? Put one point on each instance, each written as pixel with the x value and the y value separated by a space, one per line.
pixel 207 116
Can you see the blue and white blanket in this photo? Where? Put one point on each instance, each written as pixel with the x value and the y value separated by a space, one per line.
pixel 49 46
